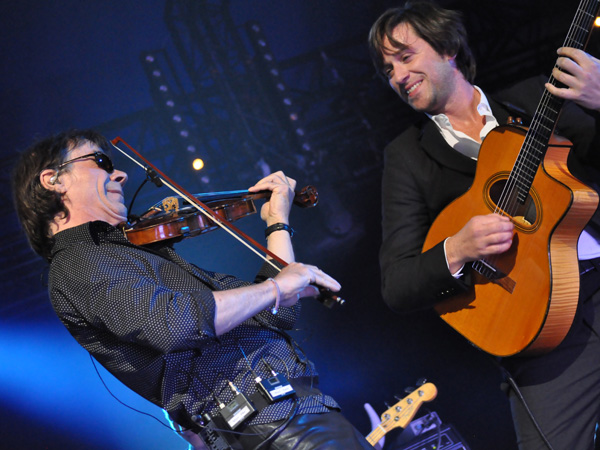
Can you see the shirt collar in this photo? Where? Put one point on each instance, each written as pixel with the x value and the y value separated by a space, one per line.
pixel 483 108
pixel 95 232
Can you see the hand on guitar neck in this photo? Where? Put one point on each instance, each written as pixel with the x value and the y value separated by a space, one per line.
pixel 482 236
pixel 580 73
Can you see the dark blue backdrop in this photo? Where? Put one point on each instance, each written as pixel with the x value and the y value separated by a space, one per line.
pixel 77 64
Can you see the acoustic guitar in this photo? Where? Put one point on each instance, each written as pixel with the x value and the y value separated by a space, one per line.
pixel 524 300
pixel 402 412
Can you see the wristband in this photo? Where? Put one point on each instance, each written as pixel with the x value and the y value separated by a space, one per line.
pixel 277 227
pixel 275 308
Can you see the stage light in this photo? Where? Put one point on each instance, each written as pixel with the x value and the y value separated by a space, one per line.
pixel 57 388
pixel 160 77
pixel 597 22
pixel 198 164
pixel 266 59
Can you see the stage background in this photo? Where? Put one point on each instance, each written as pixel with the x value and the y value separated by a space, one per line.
pixel 250 86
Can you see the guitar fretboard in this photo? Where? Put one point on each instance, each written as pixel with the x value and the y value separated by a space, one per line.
pixel 544 121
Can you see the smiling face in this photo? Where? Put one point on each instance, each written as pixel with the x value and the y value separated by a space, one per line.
pixel 422 77
pixel 89 192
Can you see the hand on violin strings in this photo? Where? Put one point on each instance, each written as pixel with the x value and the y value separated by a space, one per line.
pixel 299 280
pixel 277 209
pixel 580 73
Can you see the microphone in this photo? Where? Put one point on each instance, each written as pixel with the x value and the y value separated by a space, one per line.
pixel 152 176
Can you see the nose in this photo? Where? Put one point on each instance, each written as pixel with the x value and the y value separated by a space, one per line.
pixel 400 75
pixel 119 176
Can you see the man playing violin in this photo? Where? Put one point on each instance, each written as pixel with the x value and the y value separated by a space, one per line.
pixel 421 50
pixel 194 342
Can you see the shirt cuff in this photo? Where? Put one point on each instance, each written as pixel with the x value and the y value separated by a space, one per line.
pixel 459 272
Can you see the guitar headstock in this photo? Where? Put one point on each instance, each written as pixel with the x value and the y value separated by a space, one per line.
pixel 403 412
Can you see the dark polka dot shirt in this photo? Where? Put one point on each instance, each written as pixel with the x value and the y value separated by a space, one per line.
pixel 147 316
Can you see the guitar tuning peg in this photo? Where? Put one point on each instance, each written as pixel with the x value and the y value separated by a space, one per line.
pixel 421 381
pixel 387 405
pixel 409 389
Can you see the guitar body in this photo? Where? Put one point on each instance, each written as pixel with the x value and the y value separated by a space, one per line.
pixel 528 306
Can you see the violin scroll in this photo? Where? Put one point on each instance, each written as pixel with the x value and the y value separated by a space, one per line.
pixel 307 197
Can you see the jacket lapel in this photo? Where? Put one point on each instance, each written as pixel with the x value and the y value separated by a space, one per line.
pixel 436 147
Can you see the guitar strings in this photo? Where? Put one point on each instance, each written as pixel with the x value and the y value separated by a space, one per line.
pixel 525 160
pixel 530 156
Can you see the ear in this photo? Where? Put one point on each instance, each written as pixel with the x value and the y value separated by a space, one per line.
pixel 452 60
pixel 49 180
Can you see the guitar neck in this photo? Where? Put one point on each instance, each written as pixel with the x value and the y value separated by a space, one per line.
pixel 402 412
pixel 545 118
pixel 375 435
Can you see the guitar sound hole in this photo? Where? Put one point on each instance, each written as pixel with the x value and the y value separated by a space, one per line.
pixel 522 213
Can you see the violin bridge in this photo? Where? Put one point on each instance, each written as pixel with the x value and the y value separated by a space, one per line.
pixel 170 204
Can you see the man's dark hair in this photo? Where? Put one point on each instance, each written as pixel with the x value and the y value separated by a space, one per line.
pixel 37 206
pixel 443 29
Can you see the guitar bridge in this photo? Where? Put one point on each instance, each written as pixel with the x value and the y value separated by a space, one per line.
pixel 495 275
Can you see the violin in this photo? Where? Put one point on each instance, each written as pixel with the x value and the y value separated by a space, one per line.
pixel 174 218
pixel 328 298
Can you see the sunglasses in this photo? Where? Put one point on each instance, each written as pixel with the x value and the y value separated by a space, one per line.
pixel 100 158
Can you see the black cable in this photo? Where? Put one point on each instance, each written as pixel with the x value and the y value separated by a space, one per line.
pixel 295 346
pixel 248 362
pixel 277 431
pixel 130 217
pixel 273 434
pixel 515 388
pixel 131 407
pixel 183 430
pixel 150 176
pixel 513 384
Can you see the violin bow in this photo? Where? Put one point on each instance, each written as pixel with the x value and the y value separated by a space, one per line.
pixel 326 296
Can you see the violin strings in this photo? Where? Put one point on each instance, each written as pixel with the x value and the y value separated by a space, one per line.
pixel 204 212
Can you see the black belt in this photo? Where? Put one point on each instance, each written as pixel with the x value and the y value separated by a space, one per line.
pixel 588 265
